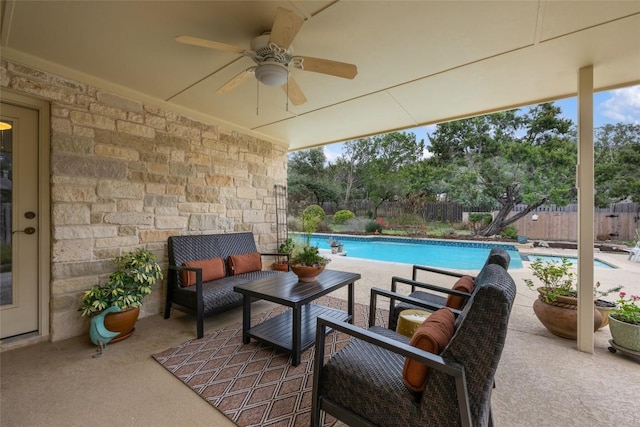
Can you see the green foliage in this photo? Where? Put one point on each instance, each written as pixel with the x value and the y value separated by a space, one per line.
pixel 136 273
pixel 628 310
pixel 556 278
pixel 308 256
pixel 504 159
pixel 311 217
pixel 481 217
pixel 617 163
pixel 373 226
pixel 342 216
pixel 509 232
pixel 287 246
pixel 308 178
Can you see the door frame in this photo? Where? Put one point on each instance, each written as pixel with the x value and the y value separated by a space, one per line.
pixel 44 205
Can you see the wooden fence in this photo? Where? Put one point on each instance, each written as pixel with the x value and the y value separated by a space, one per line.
pixel 619 222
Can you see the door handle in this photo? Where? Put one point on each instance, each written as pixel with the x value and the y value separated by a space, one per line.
pixel 28 230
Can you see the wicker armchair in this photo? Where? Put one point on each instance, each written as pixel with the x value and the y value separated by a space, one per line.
pixel 362 384
pixel 419 289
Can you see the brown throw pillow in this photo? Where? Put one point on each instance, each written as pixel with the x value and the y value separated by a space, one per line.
pixel 245 263
pixel 464 284
pixel 433 336
pixel 212 269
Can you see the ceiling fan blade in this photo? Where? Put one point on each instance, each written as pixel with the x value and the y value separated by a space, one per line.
pixel 294 92
pixel 285 27
pixel 236 81
pixel 326 66
pixel 209 43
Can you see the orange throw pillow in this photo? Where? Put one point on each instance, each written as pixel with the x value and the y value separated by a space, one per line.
pixel 464 284
pixel 212 269
pixel 245 263
pixel 433 336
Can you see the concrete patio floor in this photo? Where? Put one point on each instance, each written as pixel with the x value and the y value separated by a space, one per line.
pixel 542 380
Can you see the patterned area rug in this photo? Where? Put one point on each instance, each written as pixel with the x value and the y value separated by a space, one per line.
pixel 254 384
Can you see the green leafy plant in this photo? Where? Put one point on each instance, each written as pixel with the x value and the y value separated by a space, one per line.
pixel 556 278
pixel 308 256
pixel 373 226
pixel 136 273
pixel 628 310
pixel 342 216
pixel 311 217
pixel 509 232
pixel 287 246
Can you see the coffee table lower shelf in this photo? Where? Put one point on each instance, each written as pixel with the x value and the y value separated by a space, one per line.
pixel 278 331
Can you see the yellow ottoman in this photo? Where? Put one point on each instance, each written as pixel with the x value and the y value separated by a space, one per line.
pixel 409 320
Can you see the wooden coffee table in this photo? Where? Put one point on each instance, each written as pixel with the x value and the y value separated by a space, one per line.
pixel 294 330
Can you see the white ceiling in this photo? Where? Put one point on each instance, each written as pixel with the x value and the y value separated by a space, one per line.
pixel 419 62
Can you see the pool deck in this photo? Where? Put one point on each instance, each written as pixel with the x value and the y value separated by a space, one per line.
pixel 542 380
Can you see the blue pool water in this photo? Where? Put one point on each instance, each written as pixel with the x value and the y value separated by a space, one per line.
pixel 554 258
pixel 435 253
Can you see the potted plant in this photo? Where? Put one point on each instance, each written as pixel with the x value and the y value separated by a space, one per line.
pixel 307 263
pixel 603 306
pixel 136 272
pixel 556 305
pixel 624 322
pixel 286 248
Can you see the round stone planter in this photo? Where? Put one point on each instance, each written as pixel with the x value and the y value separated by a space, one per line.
pixel 561 317
pixel 605 308
pixel 625 334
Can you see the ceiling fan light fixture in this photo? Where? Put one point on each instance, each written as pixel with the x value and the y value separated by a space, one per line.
pixel 272 73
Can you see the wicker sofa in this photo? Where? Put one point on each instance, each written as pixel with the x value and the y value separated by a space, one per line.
pixel 363 384
pixel 205 298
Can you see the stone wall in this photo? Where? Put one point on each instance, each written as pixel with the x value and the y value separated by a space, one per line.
pixel 125 174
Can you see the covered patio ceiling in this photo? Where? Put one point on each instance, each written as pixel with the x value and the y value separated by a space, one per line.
pixel 419 62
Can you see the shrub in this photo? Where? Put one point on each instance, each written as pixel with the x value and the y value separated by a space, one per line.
pixel 373 226
pixel 313 211
pixel 342 216
pixel 509 232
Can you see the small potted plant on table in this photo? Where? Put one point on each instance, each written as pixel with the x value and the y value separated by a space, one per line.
pixel 307 263
pixel 286 248
pixel 136 273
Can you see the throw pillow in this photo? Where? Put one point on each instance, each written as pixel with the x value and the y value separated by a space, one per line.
pixel 212 269
pixel 245 263
pixel 433 336
pixel 464 284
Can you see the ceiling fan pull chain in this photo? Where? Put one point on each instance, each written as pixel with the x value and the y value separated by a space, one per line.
pixel 287 104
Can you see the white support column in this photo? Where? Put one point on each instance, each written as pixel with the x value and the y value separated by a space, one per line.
pixel 585 184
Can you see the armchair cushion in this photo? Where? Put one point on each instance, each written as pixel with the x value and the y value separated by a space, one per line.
pixel 433 336
pixel 245 263
pixel 464 284
pixel 212 269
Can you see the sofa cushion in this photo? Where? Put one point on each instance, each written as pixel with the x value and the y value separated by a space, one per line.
pixel 464 284
pixel 245 263
pixel 433 336
pixel 212 269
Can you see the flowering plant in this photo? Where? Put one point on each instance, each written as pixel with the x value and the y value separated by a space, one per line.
pixel 628 310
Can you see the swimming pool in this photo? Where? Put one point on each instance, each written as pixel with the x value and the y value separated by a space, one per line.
pixel 557 258
pixel 435 253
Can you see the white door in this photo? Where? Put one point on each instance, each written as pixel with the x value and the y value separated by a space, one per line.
pixel 19 220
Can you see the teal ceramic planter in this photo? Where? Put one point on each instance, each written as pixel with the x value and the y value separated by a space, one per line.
pixel 625 334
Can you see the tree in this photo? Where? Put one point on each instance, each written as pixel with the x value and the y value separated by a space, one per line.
pixel 617 163
pixel 505 159
pixel 307 178
pixel 380 160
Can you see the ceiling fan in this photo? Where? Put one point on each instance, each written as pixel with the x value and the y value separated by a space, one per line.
pixel 274 58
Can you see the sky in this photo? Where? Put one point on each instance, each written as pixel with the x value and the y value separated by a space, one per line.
pixel 615 106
